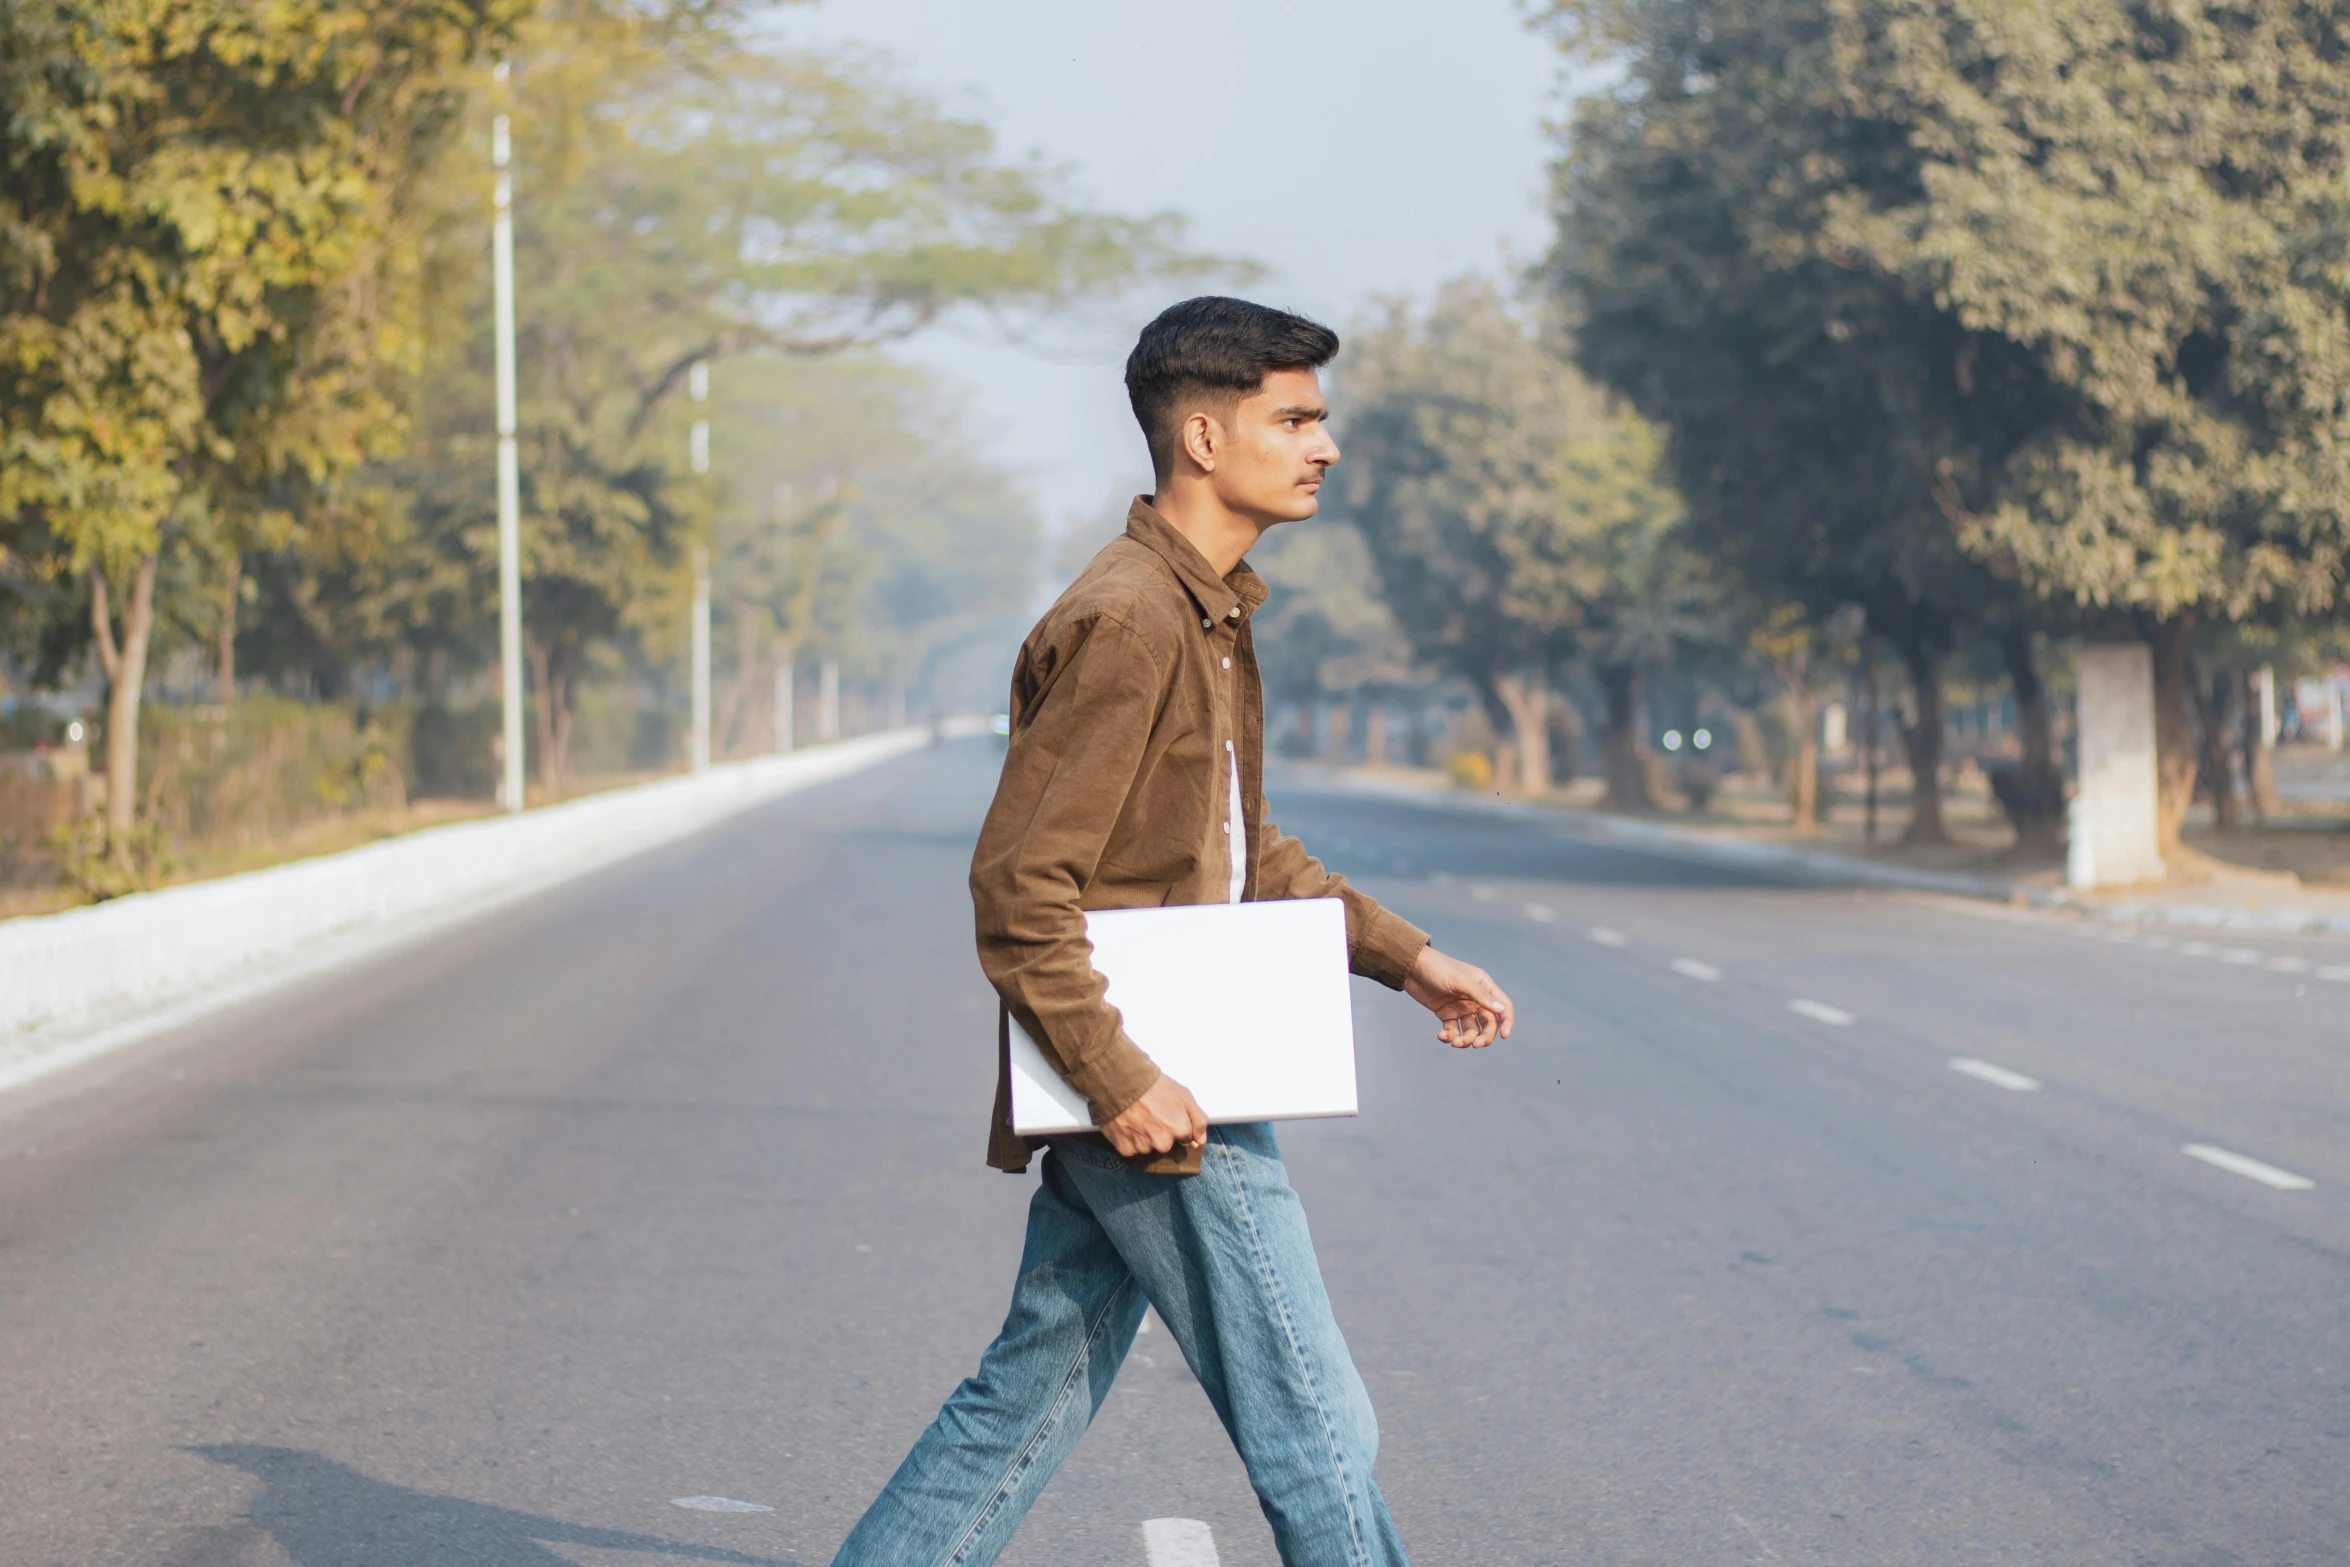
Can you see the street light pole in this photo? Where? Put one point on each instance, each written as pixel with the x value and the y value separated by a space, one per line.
pixel 509 469
pixel 698 383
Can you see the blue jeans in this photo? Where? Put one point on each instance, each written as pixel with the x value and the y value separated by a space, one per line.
pixel 1225 1258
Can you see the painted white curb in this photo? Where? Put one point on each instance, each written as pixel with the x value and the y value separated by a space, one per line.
pixel 77 984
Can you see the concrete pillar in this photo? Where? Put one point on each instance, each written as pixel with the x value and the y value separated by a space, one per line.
pixel 2114 835
pixel 828 700
pixel 2264 687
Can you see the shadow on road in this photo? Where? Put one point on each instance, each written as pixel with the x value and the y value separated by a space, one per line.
pixel 325 1514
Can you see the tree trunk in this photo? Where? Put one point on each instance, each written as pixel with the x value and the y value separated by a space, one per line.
pixel 543 710
pixel 1872 723
pixel 2040 790
pixel 1566 739
pixel 126 677
pixel 1375 736
pixel 1627 780
pixel 1803 767
pixel 2216 766
pixel 1922 740
pixel 2260 767
pixel 2174 729
pixel 1341 721
pixel 746 672
pixel 1527 701
pixel 228 629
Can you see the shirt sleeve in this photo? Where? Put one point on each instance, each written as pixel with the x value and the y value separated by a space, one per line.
pixel 1380 944
pixel 1068 770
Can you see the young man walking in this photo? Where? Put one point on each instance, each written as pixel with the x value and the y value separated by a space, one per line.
pixel 1134 778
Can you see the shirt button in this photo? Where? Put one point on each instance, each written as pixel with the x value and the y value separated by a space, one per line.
pixel 1206 624
pixel 1227 663
pixel 1227 829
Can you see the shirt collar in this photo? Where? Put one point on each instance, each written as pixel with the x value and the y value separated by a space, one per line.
pixel 1229 598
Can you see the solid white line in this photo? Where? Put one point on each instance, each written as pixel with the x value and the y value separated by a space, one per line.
pixel 1541 913
pixel 1606 937
pixel 1178 1542
pixel 718 1504
pixel 1996 1076
pixel 1820 1012
pixel 1704 972
pixel 2251 1169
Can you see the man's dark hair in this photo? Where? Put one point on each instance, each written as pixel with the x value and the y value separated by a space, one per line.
pixel 1214 349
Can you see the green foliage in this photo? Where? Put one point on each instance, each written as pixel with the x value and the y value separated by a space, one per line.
pixel 96 863
pixel 1515 515
pixel 246 773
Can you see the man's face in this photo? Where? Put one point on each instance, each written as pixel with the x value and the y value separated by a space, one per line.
pixel 1276 449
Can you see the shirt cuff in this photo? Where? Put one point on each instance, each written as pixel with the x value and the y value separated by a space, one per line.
pixel 1114 1078
pixel 1388 948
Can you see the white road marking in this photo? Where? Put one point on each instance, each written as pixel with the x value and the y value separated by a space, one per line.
pixel 1541 913
pixel 2123 937
pixel 2158 942
pixel 1482 894
pixel 1178 1542
pixel 1704 972
pixel 1606 937
pixel 2239 955
pixel 2335 971
pixel 718 1504
pixel 2251 1169
pixel 1996 1076
pixel 2196 949
pixel 1821 1012
pixel 2289 965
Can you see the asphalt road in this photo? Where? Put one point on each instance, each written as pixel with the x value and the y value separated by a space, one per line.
pixel 669 1185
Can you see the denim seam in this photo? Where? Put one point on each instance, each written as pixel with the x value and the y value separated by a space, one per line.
pixel 1020 1465
pixel 1272 1280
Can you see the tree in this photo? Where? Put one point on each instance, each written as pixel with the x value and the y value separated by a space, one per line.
pixel 1514 514
pixel 2102 238
pixel 193 198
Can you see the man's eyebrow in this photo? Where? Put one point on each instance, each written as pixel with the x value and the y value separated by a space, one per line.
pixel 1303 411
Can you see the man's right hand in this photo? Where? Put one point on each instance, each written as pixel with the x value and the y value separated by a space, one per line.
pixel 1163 1118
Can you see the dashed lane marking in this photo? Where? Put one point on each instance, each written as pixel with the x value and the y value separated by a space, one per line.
pixel 1705 973
pixel 2239 955
pixel 2197 949
pixel 718 1504
pixel 1821 1012
pixel 1178 1542
pixel 2289 965
pixel 1996 1076
pixel 1482 894
pixel 2335 971
pixel 1541 913
pixel 2250 1168
pixel 1606 937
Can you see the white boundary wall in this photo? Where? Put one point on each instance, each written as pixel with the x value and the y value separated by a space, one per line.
pixel 62 975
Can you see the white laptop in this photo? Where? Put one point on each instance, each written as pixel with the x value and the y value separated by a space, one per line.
pixel 1245 1004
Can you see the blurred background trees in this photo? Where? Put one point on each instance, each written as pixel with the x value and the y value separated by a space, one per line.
pixel 1886 350
pixel 245 359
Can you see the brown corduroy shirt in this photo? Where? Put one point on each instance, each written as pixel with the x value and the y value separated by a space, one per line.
pixel 1128 701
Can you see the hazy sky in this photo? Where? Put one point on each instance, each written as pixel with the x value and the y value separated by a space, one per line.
pixel 1355 148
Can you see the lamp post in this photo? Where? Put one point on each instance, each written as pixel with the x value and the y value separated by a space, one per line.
pixel 698 383
pixel 509 467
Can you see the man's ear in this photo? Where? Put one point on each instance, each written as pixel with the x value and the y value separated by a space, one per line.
pixel 1199 436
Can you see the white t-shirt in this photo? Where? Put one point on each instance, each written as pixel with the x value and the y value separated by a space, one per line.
pixel 1235 828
